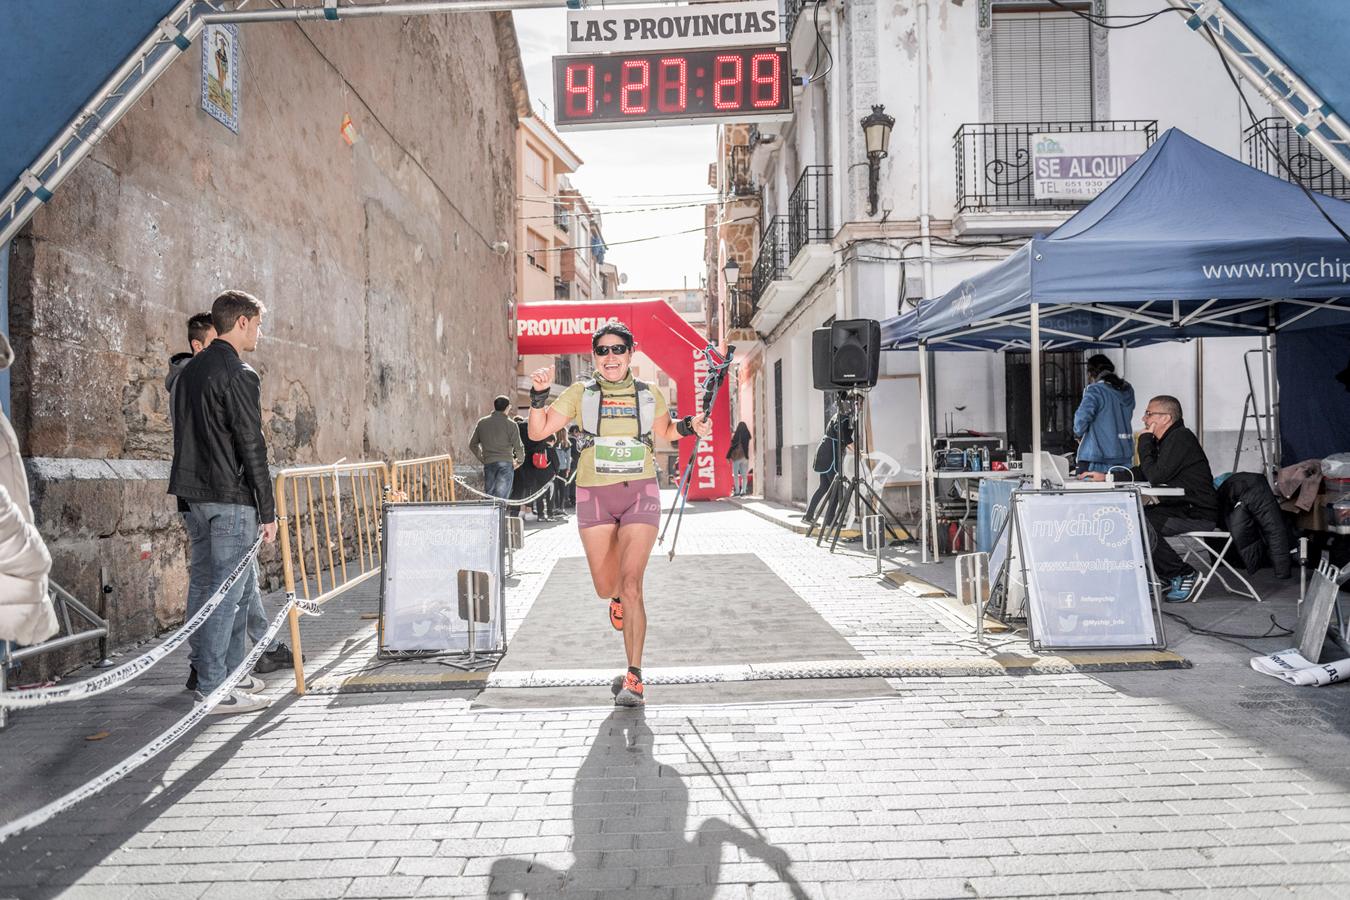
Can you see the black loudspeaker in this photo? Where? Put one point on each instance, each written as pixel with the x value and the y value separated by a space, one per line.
pixel 852 357
pixel 820 360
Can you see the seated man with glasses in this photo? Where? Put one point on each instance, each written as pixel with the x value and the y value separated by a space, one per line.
pixel 1171 455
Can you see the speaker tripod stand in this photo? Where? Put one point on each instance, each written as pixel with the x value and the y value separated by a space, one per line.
pixel 853 491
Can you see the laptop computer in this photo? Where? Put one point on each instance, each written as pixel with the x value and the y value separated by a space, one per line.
pixel 1054 468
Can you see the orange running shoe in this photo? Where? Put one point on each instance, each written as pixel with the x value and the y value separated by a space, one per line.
pixel 631 695
pixel 616 614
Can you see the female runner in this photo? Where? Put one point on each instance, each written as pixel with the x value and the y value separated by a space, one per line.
pixel 618 502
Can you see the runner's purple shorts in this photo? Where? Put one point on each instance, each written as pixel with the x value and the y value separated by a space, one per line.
pixel 629 503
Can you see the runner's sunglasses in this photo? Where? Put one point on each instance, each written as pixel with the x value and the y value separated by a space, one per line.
pixel 607 349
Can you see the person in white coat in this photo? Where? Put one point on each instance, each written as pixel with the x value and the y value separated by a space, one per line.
pixel 26 612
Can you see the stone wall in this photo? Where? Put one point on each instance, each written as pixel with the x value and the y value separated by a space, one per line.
pixel 386 333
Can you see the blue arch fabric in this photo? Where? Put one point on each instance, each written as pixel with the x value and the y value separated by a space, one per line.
pixel 54 54
pixel 1185 224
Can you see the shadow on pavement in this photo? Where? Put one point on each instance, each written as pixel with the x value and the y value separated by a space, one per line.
pixel 46 861
pixel 629 821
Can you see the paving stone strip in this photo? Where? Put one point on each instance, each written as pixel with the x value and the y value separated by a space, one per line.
pixel 958 786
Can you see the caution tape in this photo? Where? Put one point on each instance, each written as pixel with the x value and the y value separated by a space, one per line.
pixel 523 501
pixel 113 678
pixel 155 747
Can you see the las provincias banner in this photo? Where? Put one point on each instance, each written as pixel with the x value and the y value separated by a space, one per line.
pixel 699 25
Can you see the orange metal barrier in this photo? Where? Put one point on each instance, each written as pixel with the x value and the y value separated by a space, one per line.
pixel 429 479
pixel 329 526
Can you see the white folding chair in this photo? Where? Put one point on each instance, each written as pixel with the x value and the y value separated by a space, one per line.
pixel 1211 563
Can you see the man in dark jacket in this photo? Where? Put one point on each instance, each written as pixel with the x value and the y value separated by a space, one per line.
pixel 496 442
pixel 220 471
pixel 201 331
pixel 1170 455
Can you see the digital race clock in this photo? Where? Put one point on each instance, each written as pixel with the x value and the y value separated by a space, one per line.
pixel 611 90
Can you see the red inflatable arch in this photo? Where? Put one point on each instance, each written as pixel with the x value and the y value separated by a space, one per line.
pixel 547 329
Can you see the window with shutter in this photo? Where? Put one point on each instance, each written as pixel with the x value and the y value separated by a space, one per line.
pixel 1041 66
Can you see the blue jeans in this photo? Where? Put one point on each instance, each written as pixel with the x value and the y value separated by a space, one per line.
pixel 740 475
pixel 199 590
pixel 221 534
pixel 497 478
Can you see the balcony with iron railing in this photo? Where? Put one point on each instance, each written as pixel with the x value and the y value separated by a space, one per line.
pixel 1305 163
pixel 739 180
pixel 994 163
pixel 771 262
pixel 796 10
pixel 740 304
pixel 562 216
pixel 809 209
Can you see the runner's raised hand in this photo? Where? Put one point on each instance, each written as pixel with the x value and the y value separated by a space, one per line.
pixel 542 379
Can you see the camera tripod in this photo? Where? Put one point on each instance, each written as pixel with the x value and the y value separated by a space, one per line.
pixel 854 491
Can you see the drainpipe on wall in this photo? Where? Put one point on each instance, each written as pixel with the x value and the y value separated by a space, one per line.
pixel 4 324
pixel 925 222
pixel 837 118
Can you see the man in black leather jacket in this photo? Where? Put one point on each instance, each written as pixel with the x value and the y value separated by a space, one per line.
pixel 220 470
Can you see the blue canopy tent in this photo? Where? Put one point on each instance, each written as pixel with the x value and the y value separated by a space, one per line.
pixel 1187 243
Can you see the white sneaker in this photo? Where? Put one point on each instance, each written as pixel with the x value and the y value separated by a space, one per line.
pixel 236 702
pixel 251 684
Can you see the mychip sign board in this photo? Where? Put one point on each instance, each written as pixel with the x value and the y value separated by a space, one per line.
pixel 1079 165
pixel 441 589
pixel 1086 567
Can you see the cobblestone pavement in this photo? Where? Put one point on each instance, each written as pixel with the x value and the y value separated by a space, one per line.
pixel 955 787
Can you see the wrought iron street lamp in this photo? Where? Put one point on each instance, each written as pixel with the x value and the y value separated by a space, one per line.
pixel 732 270
pixel 877 135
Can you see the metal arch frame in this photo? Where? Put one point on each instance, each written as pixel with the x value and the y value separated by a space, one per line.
pixel 170 40
pixel 1119 335
pixel 1312 117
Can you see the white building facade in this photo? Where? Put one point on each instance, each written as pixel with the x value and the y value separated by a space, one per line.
pixel 967 84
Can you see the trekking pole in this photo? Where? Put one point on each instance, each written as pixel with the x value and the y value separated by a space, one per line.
pixel 717 372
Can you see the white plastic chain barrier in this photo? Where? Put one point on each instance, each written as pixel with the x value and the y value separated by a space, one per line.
pixel 119 676
pixel 155 747
pixel 523 501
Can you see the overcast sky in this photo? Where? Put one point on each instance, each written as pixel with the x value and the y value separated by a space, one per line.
pixel 621 165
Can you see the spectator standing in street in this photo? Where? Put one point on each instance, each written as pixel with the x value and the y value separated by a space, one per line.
pixel 562 452
pixel 26 613
pixel 547 454
pixel 496 442
pixel 201 331
pixel 220 470
pixel 739 454
pixel 574 443
pixel 533 474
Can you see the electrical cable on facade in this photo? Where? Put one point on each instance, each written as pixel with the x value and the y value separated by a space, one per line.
pixel 1100 21
pixel 655 237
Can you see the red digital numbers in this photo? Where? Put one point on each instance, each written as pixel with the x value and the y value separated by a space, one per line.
pixel 672 91
pixel 728 82
pixel 635 90
pixel 600 89
pixel 764 89
pixel 580 97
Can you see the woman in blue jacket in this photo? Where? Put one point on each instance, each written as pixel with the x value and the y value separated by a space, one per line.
pixel 1103 421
